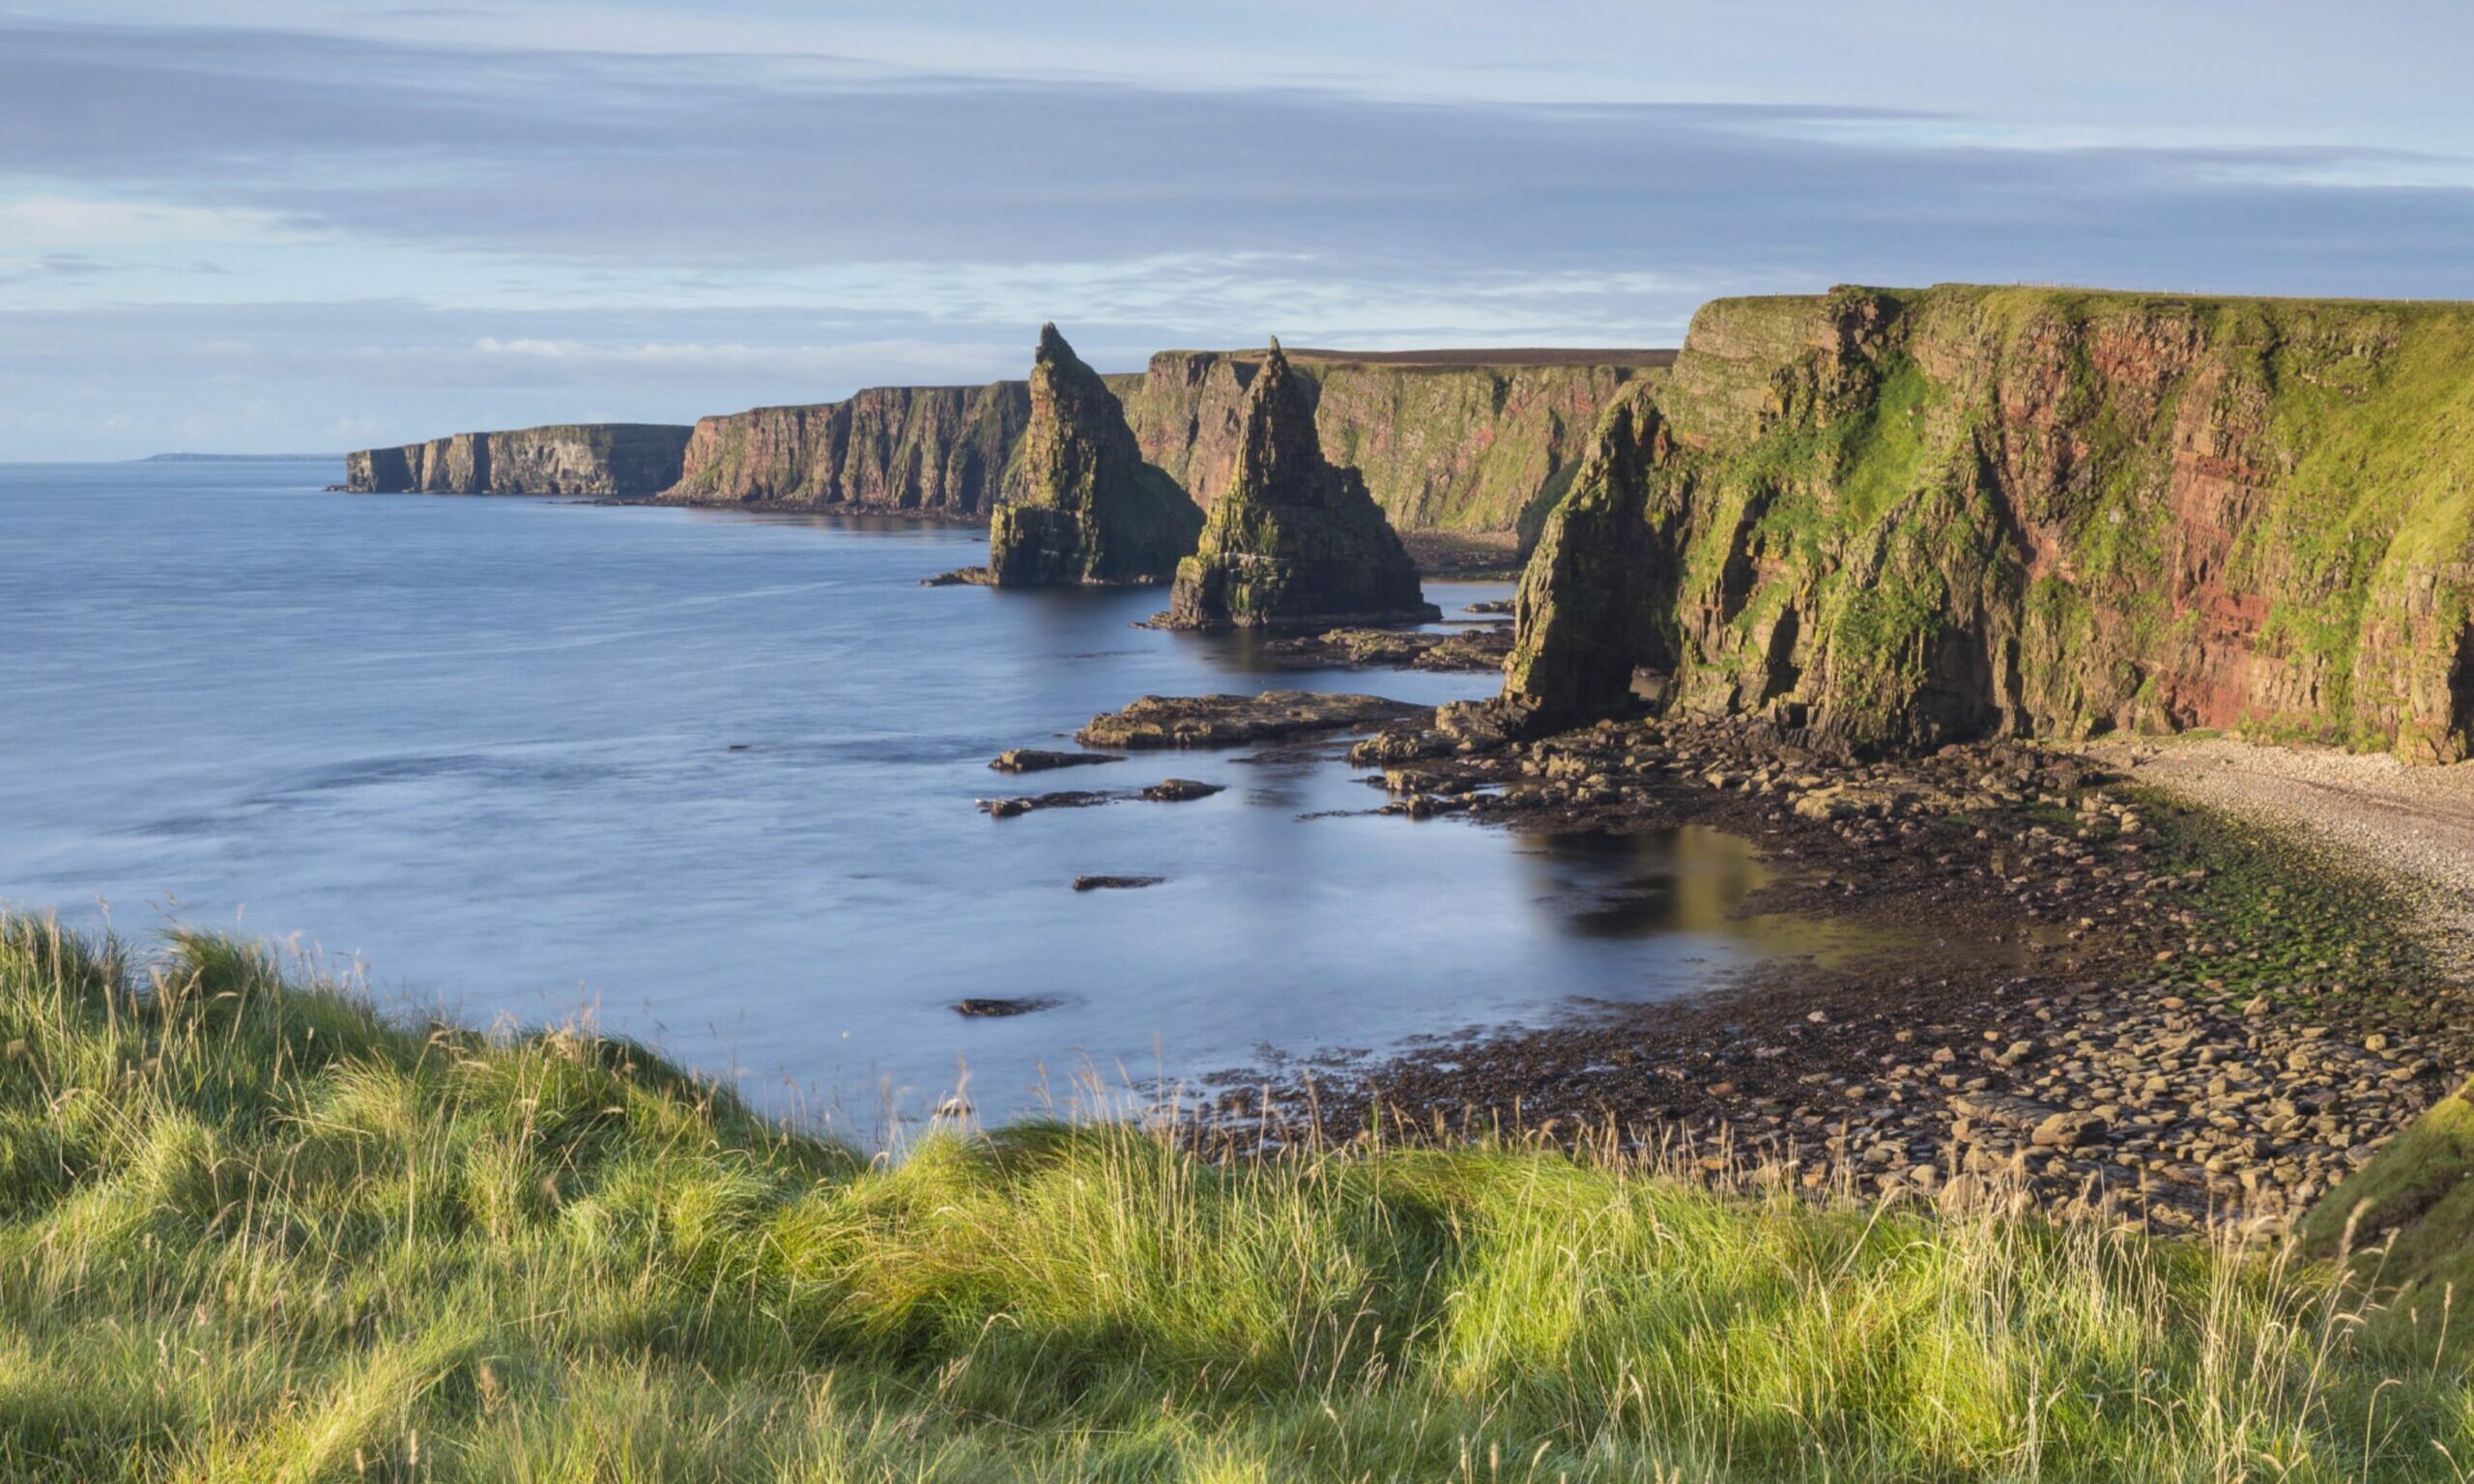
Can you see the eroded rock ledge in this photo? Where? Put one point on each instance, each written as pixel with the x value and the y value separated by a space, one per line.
pixel 1231 721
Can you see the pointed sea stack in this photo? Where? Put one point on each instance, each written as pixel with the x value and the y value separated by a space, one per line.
pixel 1293 539
pixel 1085 507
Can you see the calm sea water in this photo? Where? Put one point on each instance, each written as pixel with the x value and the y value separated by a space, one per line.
pixel 710 779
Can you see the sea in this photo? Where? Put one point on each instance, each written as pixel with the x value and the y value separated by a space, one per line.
pixel 709 780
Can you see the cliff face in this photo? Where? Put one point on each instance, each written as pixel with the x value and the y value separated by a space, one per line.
pixel 1900 518
pixel 939 449
pixel 1292 538
pixel 605 460
pixel 1446 441
pixel 1444 444
pixel 1084 506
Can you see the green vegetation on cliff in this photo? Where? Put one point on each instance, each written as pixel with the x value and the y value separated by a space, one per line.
pixel 1083 506
pixel 250 1231
pixel 1909 515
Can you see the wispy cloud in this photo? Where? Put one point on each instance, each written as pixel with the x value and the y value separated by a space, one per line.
pixel 414 224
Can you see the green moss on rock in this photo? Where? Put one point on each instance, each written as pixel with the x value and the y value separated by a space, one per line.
pixel 1906 517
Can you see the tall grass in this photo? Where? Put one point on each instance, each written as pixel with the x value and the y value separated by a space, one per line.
pixel 250 1231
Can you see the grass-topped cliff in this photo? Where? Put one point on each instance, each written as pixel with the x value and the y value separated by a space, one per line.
pixel 920 449
pixel 251 1230
pixel 1460 441
pixel 1907 516
pixel 1464 441
pixel 599 459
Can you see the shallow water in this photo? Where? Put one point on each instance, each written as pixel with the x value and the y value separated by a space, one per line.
pixel 710 778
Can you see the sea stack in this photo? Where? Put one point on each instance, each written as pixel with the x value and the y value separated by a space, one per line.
pixel 1293 539
pixel 1084 506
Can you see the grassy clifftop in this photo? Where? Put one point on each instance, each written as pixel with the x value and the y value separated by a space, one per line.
pixel 250 1231
pixel 1907 516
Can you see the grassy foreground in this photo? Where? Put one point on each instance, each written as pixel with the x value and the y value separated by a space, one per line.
pixel 250 1231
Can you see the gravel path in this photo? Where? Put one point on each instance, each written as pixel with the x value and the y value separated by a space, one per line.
pixel 2415 823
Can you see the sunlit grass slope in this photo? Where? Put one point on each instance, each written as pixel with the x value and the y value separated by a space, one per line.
pixel 250 1231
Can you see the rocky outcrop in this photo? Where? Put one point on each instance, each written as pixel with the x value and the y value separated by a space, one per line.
pixel 935 450
pixel 608 460
pixel 1294 538
pixel 1083 506
pixel 1230 721
pixel 1894 519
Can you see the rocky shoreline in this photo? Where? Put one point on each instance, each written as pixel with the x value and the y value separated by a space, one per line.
pixel 2097 999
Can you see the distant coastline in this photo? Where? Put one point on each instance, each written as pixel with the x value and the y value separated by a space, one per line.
pixel 240 458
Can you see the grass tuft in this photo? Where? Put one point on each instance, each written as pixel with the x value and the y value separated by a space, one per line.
pixel 251 1230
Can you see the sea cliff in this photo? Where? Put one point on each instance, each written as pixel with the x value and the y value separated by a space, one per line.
pixel 1896 517
pixel 612 460
pixel 1447 441
pixel 920 449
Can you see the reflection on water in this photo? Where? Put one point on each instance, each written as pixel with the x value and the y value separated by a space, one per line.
pixel 712 776
pixel 1689 879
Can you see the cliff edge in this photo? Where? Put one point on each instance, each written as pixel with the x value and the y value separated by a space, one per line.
pixel 929 450
pixel 606 460
pixel 1899 518
pixel 1460 441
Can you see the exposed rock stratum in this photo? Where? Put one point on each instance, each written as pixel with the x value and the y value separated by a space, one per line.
pixel 1899 518
pixel 609 460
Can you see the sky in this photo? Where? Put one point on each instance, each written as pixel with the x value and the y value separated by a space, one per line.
pixel 280 225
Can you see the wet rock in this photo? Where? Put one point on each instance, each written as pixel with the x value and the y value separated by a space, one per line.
pixel 1007 809
pixel 960 577
pixel 1478 647
pixel 1227 721
pixel 1033 759
pixel 1116 883
pixel 1177 790
pixel 1399 744
pixel 994 1008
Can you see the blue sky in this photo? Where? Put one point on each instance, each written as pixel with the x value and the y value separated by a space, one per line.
pixel 291 225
